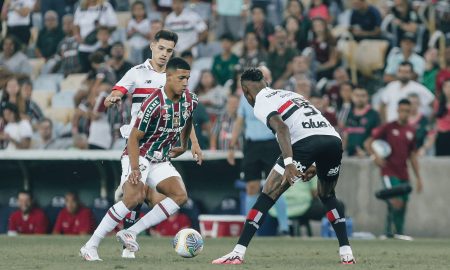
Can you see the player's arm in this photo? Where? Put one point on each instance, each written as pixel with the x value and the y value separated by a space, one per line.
pixel 237 129
pixel 291 174
pixel 133 153
pixel 376 158
pixel 415 167
pixel 113 98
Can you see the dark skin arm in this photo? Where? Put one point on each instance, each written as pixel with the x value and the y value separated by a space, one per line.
pixel 133 152
pixel 284 140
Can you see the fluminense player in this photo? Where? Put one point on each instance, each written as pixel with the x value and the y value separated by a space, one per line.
pixel 305 137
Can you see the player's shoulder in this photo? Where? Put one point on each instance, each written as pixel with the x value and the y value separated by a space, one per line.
pixel 192 96
pixel 38 212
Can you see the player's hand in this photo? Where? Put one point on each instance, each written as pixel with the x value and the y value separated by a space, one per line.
pixel 309 173
pixel 291 174
pixel 134 177
pixel 197 153
pixel 112 100
pixel 176 152
pixel 379 161
pixel 230 157
pixel 419 185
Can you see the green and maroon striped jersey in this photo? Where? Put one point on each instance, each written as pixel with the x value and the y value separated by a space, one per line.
pixel 162 121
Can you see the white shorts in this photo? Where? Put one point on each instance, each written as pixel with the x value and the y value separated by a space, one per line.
pixel 152 173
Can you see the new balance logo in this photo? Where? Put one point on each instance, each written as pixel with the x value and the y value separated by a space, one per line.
pixel 334 171
pixel 339 220
pixel 148 81
pixel 316 124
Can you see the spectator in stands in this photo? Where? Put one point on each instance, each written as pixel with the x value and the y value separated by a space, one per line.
pixel 407 53
pixel 231 17
pixel 68 49
pixel 17 133
pixel 13 58
pixel 361 120
pixel 431 69
pixel 171 225
pixel 333 88
pixel 155 27
pixel 89 16
pixel 200 7
pixel 280 56
pixel 13 95
pixel 440 136
pixel 211 95
pixel 29 219
pixel 295 9
pixel 32 109
pixel 202 125
pixel 253 54
pixel 418 120
pixel 300 68
pixel 406 20
pixel 224 64
pixel 365 21
pixel 103 36
pixel 394 170
pixel 137 32
pixel 195 73
pixel 74 218
pixel 444 73
pixel 324 46
pixel 118 62
pixel 49 37
pixel 17 15
pixel 321 103
pixel 62 8
pixel 260 26
pixel 223 128
pixel 189 26
pixel 303 86
pixel 345 105
pixel 297 35
pixel 47 140
pixel 100 132
pixel 101 71
pixel 400 89
pixel 319 9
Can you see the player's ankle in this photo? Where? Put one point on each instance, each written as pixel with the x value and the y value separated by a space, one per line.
pixel 345 250
pixel 240 249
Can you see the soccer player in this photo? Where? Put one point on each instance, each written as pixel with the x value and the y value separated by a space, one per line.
pixel 401 137
pixel 164 117
pixel 140 82
pixel 304 137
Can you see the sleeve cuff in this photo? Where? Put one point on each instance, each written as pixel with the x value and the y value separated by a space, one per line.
pixel 122 89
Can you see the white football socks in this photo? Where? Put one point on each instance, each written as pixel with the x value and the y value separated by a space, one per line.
pixel 345 250
pixel 240 249
pixel 114 215
pixel 159 213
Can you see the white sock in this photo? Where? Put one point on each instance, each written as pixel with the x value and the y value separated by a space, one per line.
pixel 160 212
pixel 240 249
pixel 344 250
pixel 114 215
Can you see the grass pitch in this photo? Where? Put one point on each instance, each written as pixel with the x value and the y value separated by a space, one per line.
pixel 58 252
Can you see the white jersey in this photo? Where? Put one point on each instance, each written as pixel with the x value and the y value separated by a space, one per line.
pixel 140 81
pixel 302 118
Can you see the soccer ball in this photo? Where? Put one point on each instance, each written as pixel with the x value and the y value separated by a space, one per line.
pixel 381 148
pixel 188 243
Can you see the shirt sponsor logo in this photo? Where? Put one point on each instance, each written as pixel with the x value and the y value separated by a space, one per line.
pixel 409 135
pixel 273 93
pixel 166 117
pixel 333 171
pixel 165 107
pixel 314 124
pixel 148 81
pixel 157 155
pixel 163 129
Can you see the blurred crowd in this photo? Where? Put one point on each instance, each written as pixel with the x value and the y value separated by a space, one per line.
pixel 354 60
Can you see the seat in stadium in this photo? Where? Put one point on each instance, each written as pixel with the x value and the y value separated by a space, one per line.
pixel 99 209
pixel 44 83
pixel 42 98
pixel 5 212
pixel 63 115
pixel 63 100
pixel 203 63
pixel 123 18
pixel 73 82
pixel 52 210
pixel 228 206
pixel 36 65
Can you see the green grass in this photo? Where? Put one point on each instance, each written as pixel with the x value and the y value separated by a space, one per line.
pixel 51 252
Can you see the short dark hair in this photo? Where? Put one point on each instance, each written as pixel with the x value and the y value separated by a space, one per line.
pixel 186 53
pixel 166 35
pixel 407 63
pixel 360 87
pixel 97 57
pixel 74 194
pixel 118 43
pixel 178 63
pixel 227 36
pixel 252 74
pixel 103 28
pixel 404 101
pixel 45 119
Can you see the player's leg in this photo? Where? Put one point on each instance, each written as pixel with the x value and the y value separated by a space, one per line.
pixel 132 196
pixel 328 166
pixel 398 206
pixel 252 174
pixel 255 217
pixel 167 181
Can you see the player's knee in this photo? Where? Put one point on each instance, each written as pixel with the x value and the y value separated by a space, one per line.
pixel 179 198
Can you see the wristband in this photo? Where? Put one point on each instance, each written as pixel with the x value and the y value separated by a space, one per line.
pixel 287 161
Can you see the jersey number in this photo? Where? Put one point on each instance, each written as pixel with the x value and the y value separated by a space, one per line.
pixel 305 104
